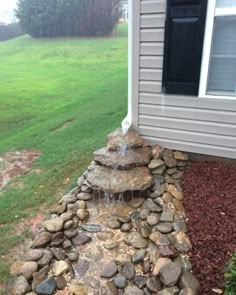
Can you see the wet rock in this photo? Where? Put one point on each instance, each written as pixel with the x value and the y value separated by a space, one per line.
pixel 61 282
pixel 120 181
pixel 105 235
pixel 77 288
pixel 180 156
pixel 164 227
pixel 143 214
pixel 180 226
pixel 169 159
pixel 19 286
pixel 182 242
pixel 169 291
pixel 189 281
pixel 140 281
pixel 170 274
pixel 159 264
pixel 135 240
pixel 128 159
pixel 92 228
pixel 58 253
pixel 133 290
pixel 120 282
pixel 155 163
pixel 117 139
pixel 109 270
pixel 47 287
pixel 45 259
pixel 54 225
pixel 167 216
pixel 81 239
pixel 128 270
pixel 84 196
pixel 153 284
pixel 126 227
pixel 138 256
pixel 136 203
pixel 153 219
pixel 33 255
pixel 39 277
pixel 60 267
pixel 82 214
pixel 168 251
pixel 42 239
pixel 28 269
pixel 123 258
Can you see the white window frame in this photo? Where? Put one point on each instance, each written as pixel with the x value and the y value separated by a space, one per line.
pixel 212 12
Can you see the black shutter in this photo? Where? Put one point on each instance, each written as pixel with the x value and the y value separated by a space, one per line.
pixel 185 26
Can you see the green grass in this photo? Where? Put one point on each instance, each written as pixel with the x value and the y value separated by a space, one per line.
pixel 45 83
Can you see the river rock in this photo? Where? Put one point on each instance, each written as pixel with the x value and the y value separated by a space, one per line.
pixel 153 284
pixel 39 276
pixel 68 224
pixel 123 258
pixel 91 228
pixel 159 264
pixel 114 223
pixel 182 242
pixel 153 219
pixel 184 262
pixel 170 273
pixel 133 290
pixel 169 291
pixel 155 163
pixel 175 192
pixel 128 270
pixel 138 256
pixel 167 216
pixel 81 239
pixel 145 231
pixel 118 181
pixel 47 287
pixel 73 256
pixel 146 266
pixel 168 251
pixel 164 227
pixel 143 214
pixel 120 282
pixel 84 196
pixel 117 139
pixel 123 160
pixel 82 214
pixel 33 255
pixel 126 227
pixel 135 240
pixel 180 226
pixel 28 269
pixel 77 288
pixel 157 151
pixel 81 204
pixel 136 203
pixel 71 233
pixel 187 291
pixel 140 281
pixel 60 267
pixel 58 253
pixel 42 239
pixel 159 171
pixel 61 282
pixel 109 270
pixel 19 286
pixel 105 235
pixel 180 156
pixel 189 281
pixel 57 239
pixel 54 225
pixel 169 159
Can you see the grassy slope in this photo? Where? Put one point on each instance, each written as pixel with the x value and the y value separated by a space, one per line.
pixel 45 83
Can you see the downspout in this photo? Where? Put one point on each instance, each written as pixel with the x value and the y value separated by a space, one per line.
pixel 127 122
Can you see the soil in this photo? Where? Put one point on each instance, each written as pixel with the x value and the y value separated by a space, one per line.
pixel 16 163
pixel 210 204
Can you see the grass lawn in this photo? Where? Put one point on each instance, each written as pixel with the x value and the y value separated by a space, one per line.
pixel 45 83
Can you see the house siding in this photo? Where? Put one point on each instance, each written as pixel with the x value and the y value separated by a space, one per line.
pixel 197 125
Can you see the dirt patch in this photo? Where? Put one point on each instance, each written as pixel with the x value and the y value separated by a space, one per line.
pixel 16 163
pixel 64 125
pixel 210 194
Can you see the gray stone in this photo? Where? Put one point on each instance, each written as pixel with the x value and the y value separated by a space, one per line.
pixel 160 239
pixel 180 226
pixel 120 282
pixel 71 233
pixel 145 231
pixel 128 270
pixel 61 282
pixel 138 256
pixel 133 290
pixel 66 216
pixel 184 262
pixel 182 242
pixel 82 214
pixel 187 291
pixel 135 240
pixel 143 214
pixel 81 239
pixel 136 203
pixel 169 291
pixel 123 258
pixel 153 284
pixel 119 181
pixel 42 239
pixel 92 228
pixel 146 266
pixel 114 224
pixel 105 235
pixel 28 269
pixel 33 255
pixel 39 277
pixel 19 286
pixel 164 227
pixel 189 281
pixel 167 216
pixel 150 204
pixel 170 274
pixel 126 227
pixel 180 156
pixel 156 163
pixel 159 171
pixel 153 219
pixel 73 256
pixel 68 224
pixel 84 196
pixel 81 204
pixel 109 270
pixel 47 287
pixel 54 225
pixel 60 267
pixel 130 158
pixel 169 159
pixel 58 253
pixel 45 259
pixel 140 281
pixel 159 264
pixel 153 252
pixel 57 239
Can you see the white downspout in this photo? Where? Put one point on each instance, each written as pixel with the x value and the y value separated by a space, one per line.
pixel 127 122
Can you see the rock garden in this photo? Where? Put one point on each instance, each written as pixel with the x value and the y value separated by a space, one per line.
pixel 122 229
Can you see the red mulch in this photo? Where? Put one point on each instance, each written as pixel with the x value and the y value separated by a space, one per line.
pixel 210 204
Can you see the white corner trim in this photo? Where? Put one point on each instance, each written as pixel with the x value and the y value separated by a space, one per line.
pixel 227 11
pixel 207 47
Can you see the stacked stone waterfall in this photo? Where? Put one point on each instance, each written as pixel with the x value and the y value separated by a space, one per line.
pixel 122 165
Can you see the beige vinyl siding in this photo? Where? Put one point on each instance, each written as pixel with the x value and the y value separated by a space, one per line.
pixel 198 125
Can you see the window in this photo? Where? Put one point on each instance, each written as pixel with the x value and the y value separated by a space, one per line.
pixel 218 72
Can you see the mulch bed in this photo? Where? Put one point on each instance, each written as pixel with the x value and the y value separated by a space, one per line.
pixel 210 204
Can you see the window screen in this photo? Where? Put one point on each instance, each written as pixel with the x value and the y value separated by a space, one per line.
pixel 225 3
